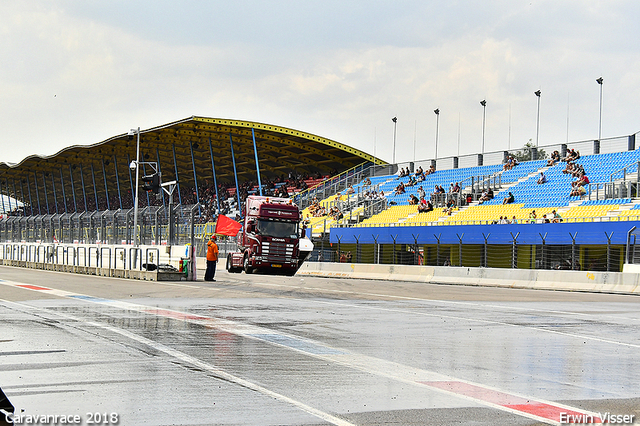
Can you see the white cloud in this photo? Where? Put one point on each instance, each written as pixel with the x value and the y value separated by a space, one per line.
pixel 78 72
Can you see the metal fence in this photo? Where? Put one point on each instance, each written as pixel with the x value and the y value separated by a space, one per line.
pixel 156 226
pixel 85 255
pixel 609 257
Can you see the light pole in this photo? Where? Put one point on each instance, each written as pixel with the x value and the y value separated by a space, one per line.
pixel 395 125
pixel 484 116
pixel 135 201
pixel 600 81
pixel 437 112
pixel 538 93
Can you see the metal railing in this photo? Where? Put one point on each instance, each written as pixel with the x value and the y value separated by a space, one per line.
pixel 90 256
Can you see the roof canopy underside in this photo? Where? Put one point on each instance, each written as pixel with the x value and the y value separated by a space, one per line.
pixel 180 146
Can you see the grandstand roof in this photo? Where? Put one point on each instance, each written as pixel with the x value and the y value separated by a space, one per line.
pixel 280 150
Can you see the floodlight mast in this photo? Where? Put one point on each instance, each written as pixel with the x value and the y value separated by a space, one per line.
pixel 135 203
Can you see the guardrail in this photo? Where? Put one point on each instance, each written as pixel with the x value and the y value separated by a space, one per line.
pixel 112 261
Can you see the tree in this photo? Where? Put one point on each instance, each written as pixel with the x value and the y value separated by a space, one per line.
pixel 524 154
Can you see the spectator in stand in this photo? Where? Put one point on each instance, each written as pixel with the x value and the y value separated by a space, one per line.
pixel 508 199
pixel 578 191
pixel 556 217
pixel 572 155
pixel 429 206
pixel 533 217
pixel 413 200
pixel 422 205
pixel 421 192
pixel 350 190
pixel 483 197
pixel 542 179
pixel 400 189
pixel 432 169
pixel 412 181
pixel 555 157
pixel 582 180
pixel 419 171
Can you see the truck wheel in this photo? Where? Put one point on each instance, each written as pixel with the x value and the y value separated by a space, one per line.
pixel 247 269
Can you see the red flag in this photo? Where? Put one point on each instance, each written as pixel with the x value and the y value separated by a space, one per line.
pixel 226 226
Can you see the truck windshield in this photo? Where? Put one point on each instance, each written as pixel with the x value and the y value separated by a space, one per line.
pixel 277 229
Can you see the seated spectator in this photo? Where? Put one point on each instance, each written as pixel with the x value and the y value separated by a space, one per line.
pixel 412 181
pixel 578 191
pixel 413 200
pixel 456 188
pixel 451 203
pixel 425 206
pixel 582 181
pixel 400 189
pixel 572 155
pixel 507 164
pixel 432 169
pixel 350 190
pixel 421 192
pixel 419 171
pixel 578 171
pixel 486 196
pixel 556 217
pixel 542 179
pixel 568 168
pixel 503 220
pixel 508 199
pixel 367 182
pixel 533 217
pixel 483 197
pixel 514 220
pixel 555 157
pixel 545 219
pixel 421 177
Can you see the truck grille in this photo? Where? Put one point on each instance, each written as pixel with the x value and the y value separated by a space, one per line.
pixel 277 252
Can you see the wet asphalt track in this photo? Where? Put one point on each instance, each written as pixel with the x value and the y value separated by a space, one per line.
pixel 265 350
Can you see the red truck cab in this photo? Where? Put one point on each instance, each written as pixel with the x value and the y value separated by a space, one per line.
pixel 270 238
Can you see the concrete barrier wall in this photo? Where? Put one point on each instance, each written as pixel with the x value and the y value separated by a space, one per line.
pixel 603 282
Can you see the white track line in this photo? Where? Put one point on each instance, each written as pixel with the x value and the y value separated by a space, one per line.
pixel 367 364
pixel 193 361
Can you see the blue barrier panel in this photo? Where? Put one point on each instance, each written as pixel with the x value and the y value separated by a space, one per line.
pixel 556 233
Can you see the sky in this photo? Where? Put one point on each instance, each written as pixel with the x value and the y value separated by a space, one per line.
pixel 77 72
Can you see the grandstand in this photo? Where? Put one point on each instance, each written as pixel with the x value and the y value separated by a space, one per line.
pixel 548 227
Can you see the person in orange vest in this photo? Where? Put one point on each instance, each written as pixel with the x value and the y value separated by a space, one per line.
pixel 212 259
